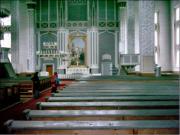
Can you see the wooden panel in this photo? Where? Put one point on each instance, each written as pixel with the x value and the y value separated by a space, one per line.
pixel 49 69
pixel 143 126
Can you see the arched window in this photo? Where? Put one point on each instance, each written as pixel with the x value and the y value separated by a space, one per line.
pixel 6 41
pixel 177 36
pixel 156 37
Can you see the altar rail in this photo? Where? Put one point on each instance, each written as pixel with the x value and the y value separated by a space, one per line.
pixel 130 59
pixel 77 70
pixel 70 76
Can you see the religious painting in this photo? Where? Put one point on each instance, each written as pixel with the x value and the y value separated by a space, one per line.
pixel 77 51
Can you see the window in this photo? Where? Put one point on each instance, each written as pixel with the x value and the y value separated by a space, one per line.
pixel 6 21
pixel 177 14
pixel 6 41
pixel 156 36
pixel 177 36
pixel 155 17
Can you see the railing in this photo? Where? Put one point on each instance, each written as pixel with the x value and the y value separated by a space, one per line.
pixel 51 53
pixel 70 76
pixel 129 59
pixel 75 73
pixel 77 70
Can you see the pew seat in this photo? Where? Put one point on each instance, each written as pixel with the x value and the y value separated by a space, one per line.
pixel 142 93
pixel 79 90
pixel 107 105
pixel 101 114
pixel 93 127
pixel 113 98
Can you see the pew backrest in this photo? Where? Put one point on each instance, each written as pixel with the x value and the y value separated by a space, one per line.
pixel 12 125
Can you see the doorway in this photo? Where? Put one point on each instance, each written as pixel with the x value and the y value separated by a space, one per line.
pixel 106 68
pixel 49 69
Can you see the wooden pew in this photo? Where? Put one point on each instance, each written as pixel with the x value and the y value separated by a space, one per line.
pixel 108 92
pixel 26 85
pixel 132 87
pixel 143 93
pixel 112 98
pixel 93 127
pixel 107 105
pixel 64 115
pixel 125 86
pixel 116 84
pixel 9 94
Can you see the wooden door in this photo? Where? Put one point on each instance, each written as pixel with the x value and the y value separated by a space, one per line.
pixel 49 69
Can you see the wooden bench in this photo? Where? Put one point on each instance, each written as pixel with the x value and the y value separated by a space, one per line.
pixel 63 115
pixel 112 98
pixel 93 127
pixel 114 91
pixel 125 87
pixel 26 85
pixel 143 93
pixel 115 83
pixel 9 94
pixel 107 105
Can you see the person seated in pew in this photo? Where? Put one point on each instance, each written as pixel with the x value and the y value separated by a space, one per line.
pixel 54 82
pixel 36 85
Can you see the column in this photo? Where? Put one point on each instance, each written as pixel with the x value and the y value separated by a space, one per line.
pixel 116 49
pixel 31 36
pixel 15 19
pixel 123 30
pixel 164 59
pixel 62 43
pixel 131 26
pixel 93 50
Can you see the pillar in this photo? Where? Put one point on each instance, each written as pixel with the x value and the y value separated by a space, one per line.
pixel 131 27
pixel 123 29
pixel 164 59
pixel 93 47
pixel 15 19
pixel 62 43
pixel 31 61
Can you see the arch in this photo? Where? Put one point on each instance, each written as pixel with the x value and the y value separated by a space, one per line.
pixel 77 47
pixel 48 37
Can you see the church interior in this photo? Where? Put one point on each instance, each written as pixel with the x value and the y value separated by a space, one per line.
pixel 117 64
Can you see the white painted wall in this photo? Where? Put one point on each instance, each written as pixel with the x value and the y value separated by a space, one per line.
pixel 146 36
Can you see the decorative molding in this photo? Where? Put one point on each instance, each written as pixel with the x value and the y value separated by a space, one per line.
pixel 5 29
pixel 4 12
pixel 77 24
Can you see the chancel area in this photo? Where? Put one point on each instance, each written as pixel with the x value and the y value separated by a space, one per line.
pixel 117 61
